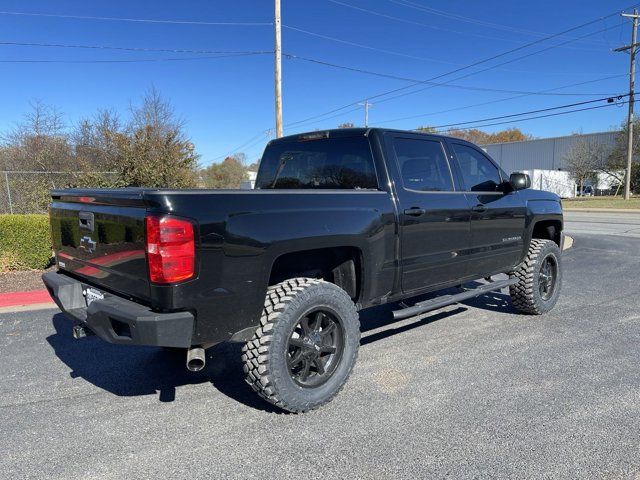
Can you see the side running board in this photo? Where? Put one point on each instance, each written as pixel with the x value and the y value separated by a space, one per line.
pixel 445 300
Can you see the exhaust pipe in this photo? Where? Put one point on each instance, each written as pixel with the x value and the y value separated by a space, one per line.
pixel 80 331
pixel 196 359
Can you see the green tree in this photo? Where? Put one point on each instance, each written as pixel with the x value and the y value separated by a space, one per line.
pixel 153 150
pixel 230 173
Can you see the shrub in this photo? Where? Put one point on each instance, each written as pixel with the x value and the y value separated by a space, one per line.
pixel 25 242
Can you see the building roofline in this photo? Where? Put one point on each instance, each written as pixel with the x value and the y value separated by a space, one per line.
pixel 549 138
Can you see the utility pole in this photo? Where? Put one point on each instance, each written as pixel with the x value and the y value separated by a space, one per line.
pixel 632 80
pixel 366 106
pixel 278 69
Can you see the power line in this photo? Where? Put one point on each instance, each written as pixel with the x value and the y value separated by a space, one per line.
pixel 479 62
pixel 137 20
pixel 490 102
pixel 246 144
pixel 548 109
pixel 493 67
pixel 458 17
pixel 368 47
pixel 538 116
pixel 141 60
pixel 434 27
pixel 415 81
pixel 396 53
pixel 129 49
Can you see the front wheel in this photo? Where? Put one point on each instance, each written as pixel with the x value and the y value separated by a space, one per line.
pixel 306 345
pixel 539 278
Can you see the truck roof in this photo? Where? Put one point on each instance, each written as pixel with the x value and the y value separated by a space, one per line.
pixel 347 132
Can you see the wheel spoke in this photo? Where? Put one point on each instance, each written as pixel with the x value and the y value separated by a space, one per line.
pixel 327 349
pixel 305 370
pixel 304 323
pixel 318 320
pixel 296 342
pixel 319 366
pixel 295 359
pixel 328 329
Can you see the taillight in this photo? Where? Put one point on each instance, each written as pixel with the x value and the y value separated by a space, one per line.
pixel 170 249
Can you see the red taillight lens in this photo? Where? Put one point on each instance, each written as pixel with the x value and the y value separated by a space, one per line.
pixel 170 249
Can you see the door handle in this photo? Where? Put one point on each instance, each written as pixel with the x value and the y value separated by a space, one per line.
pixel 479 208
pixel 415 211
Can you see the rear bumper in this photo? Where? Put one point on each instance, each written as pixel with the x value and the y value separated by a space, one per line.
pixel 118 320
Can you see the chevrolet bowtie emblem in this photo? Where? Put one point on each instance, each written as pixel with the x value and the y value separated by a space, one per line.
pixel 88 244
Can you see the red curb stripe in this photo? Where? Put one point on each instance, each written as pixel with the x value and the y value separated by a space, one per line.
pixel 12 299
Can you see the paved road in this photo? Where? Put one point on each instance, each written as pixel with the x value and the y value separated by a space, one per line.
pixel 471 391
pixel 623 224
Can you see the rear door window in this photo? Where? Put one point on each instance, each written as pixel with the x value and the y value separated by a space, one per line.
pixel 423 165
pixel 328 163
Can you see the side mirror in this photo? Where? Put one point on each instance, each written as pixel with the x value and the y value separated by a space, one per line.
pixel 520 181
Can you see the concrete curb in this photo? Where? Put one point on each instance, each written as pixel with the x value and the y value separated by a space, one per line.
pixel 16 300
pixel 604 210
pixel 28 308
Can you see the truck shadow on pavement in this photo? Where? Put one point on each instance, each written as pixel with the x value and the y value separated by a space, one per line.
pixel 378 317
pixel 135 371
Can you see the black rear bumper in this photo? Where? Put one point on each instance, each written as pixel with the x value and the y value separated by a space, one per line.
pixel 118 320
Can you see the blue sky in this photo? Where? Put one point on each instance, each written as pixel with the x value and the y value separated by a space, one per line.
pixel 226 102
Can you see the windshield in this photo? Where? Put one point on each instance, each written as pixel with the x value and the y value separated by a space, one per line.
pixel 343 163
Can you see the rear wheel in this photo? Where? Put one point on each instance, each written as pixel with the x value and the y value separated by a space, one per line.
pixel 306 346
pixel 539 278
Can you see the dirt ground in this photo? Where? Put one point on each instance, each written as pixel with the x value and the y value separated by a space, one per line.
pixel 21 281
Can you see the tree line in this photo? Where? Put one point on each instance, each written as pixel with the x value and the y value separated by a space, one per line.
pixel 149 148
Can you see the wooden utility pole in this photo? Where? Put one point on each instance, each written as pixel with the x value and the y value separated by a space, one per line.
pixel 632 80
pixel 366 106
pixel 278 69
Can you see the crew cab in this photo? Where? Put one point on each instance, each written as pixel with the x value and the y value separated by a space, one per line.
pixel 339 221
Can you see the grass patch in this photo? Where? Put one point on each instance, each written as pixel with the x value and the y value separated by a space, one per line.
pixel 602 202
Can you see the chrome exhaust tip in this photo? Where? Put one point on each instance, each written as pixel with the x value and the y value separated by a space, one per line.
pixel 196 359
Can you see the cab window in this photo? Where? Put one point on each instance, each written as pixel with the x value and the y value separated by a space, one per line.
pixel 338 163
pixel 479 174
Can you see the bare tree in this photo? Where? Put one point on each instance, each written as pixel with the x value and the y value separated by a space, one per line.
pixel 94 140
pixel 582 161
pixel 39 141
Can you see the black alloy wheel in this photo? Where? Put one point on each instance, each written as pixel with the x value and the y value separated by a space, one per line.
pixel 314 348
pixel 547 277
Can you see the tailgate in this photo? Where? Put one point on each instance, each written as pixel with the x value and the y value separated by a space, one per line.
pixel 98 235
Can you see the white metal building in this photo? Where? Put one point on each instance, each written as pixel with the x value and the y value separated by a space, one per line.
pixel 543 153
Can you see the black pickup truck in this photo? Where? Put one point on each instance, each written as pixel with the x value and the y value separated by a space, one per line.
pixel 339 221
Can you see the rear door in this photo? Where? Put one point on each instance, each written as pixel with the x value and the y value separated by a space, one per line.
pixel 497 214
pixel 434 217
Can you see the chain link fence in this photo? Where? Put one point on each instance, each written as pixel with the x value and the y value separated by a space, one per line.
pixel 28 191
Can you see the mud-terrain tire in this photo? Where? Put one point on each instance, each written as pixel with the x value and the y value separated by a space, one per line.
pixel 539 278
pixel 306 345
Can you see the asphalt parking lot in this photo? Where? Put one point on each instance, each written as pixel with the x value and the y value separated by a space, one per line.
pixel 474 390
